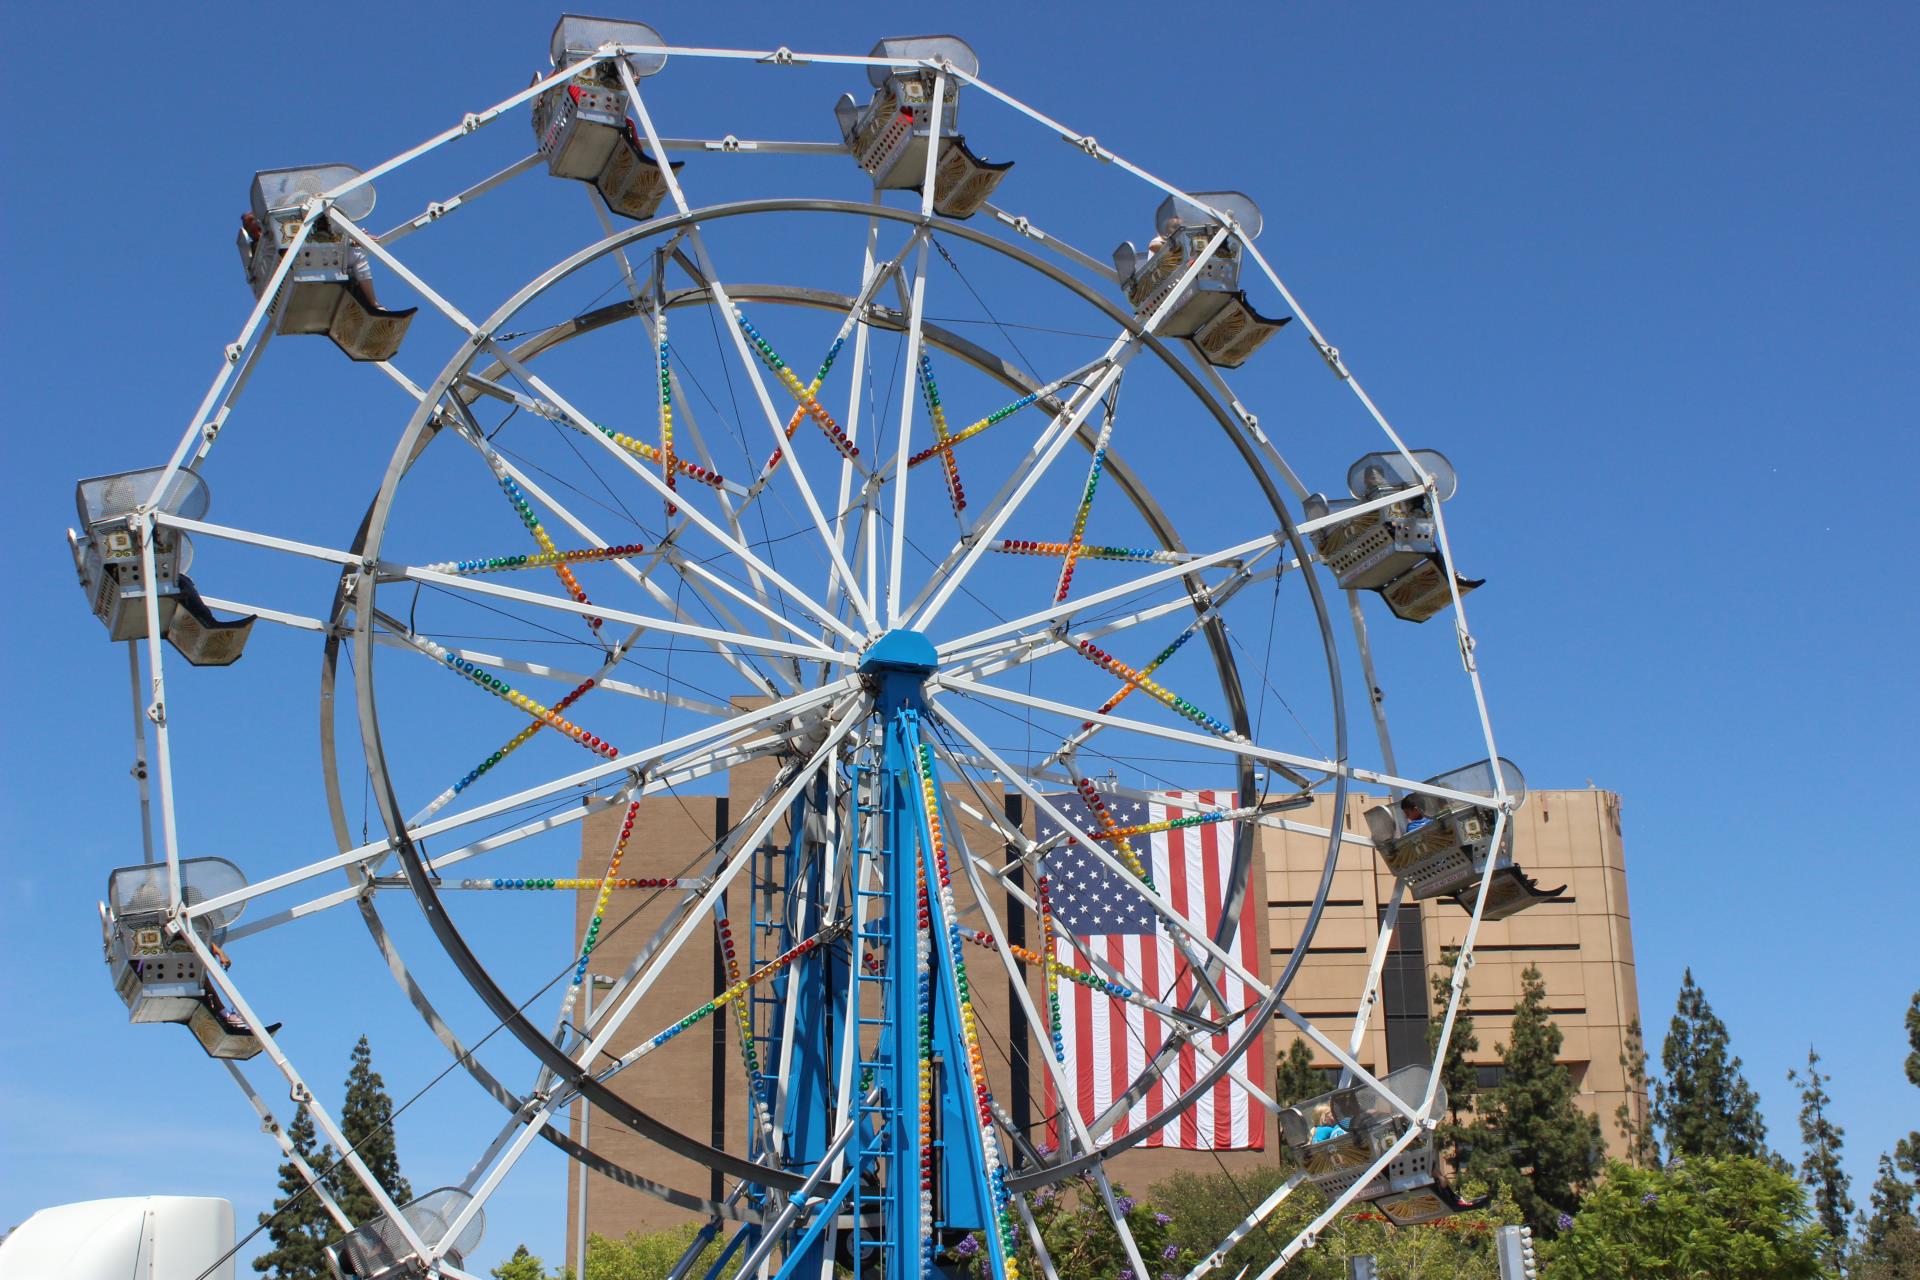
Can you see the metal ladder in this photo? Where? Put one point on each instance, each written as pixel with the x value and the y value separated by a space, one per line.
pixel 766 939
pixel 875 902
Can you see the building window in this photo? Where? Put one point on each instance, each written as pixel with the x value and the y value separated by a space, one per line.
pixel 1489 1077
pixel 1403 990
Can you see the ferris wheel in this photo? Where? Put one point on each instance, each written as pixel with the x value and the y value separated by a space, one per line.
pixel 906 507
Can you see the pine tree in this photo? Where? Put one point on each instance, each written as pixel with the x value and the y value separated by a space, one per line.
pixel 1704 1105
pixel 1631 1117
pixel 366 1121
pixel 1537 1143
pixel 1295 1078
pixel 1892 1216
pixel 1890 1235
pixel 1458 1075
pixel 1906 1152
pixel 1913 1039
pixel 299 1225
pixel 1821 1169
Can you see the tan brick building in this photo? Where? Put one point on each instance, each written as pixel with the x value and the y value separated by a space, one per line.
pixel 1583 947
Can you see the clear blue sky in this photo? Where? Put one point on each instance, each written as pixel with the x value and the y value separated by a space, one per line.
pixel 1647 271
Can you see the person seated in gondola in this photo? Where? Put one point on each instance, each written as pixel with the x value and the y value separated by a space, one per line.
pixel 1413 808
pixel 1159 242
pixel 1325 1127
pixel 359 267
pixel 229 1018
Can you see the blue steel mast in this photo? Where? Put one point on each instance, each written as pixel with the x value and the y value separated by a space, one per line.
pixel 923 1166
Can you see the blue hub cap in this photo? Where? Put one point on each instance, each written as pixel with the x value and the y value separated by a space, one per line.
pixel 901 651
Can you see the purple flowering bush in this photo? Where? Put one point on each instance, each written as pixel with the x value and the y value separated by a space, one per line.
pixel 1081 1238
pixel 1206 1206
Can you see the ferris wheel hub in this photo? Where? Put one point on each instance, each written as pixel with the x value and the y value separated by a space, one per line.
pixel 900 651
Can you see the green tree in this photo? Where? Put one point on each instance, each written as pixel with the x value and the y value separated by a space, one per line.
pixel 1294 1078
pixel 1892 1212
pixel 1203 1207
pixel 1631 1117
pixel 1737 1218
pixel 1906 1153
pixel 1458 1075
pixel 1460 1247
pixel 1081 1238
pixel 1535 1142
pixel 1703 1105
pixel 366 1121
pixel 1889 1246
pixel 299 1226
pixel 1913 1040
pixel 1821 1169
pixel 650 1255
pixel 521 1266
pixel 1898 1258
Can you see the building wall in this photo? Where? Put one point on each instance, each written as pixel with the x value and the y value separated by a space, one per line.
pixel 1583 948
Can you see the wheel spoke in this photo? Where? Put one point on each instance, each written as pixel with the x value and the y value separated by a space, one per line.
pixel 639 758
pixel 1119 355
pixel 750 365
pixel 1195 931
pixel 741 854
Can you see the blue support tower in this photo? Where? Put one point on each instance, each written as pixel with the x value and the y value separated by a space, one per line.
pixel 906 1197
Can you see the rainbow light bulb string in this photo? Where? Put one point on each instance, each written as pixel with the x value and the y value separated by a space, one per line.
pixel 1091 797
pixel 813 389
pixel 923 1037
pixel 1172 824
pixel 969 1027
pixel 1107 662
pixel 578 882
pixel 743 1019
pixel 1086 506
pixel 973 429
pixel 501 689
pixel 930 392
pixel 1127 687
pixel 1088 727
pixel 506 749
pixel 736 991
pixel 540 560
pixel 1073 973
pixel 663 365
pixel 1180 824
pixel 592 939
pixel 1050 968
pixel 795 388
pixel 641 449
pixel 1027 547
pixel 524 510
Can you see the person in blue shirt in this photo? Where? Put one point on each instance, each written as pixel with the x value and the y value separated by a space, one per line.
pixel 1325 1127
pixel 1413 809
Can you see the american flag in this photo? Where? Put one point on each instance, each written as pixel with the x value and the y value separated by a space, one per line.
pixel 1110 1041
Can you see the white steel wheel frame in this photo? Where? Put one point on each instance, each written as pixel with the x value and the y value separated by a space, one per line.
pixel 212 415
pixel 414 443
pixel 527 350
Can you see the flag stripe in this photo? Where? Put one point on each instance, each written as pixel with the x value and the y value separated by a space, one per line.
pixel 1109 1042
pixel 1210 874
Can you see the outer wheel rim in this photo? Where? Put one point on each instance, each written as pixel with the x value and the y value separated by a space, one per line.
pixel 420 430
